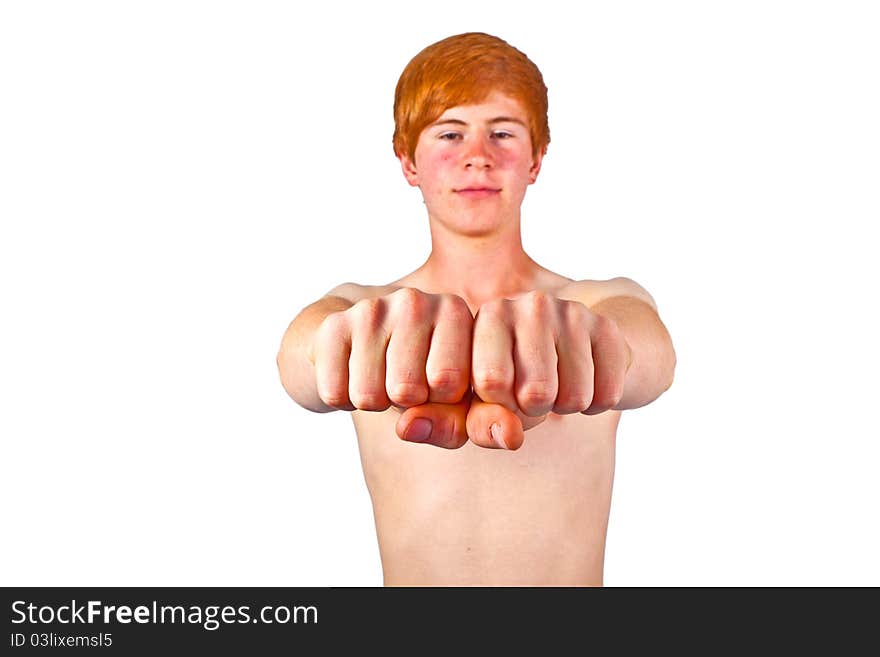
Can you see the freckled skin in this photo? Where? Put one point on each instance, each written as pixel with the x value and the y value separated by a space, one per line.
pixel 475 158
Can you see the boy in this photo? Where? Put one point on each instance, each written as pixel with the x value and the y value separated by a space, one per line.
pixel 485 389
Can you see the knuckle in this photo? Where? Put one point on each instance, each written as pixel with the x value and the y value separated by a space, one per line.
pixel 369 399
pixel 574 313
pixel 334 396
pixel 606 327
pixel 368 312
pixel 447 377
pixel 452 300
pixel 536 394
pixel 454 308
pixel 492 379
pixel 494 308
pixel 607 396
pixel 409 302
pixel 407 393
pixel 537 301
pixel 573 402
pixel 333 325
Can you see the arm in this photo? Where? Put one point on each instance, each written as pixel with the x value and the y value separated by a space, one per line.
pixel 624 301
pixel 365 348
pixel 295 359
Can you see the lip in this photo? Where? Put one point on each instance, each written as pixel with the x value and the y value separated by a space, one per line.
pixel 477 192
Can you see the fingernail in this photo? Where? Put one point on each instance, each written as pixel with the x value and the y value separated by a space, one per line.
pixel 495 430
pixel 419 430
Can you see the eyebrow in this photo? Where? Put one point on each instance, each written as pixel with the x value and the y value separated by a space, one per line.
pixel 497 119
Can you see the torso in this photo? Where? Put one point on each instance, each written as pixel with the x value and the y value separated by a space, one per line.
pixel 474 516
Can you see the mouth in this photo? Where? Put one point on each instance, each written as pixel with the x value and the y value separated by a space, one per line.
pixel 477 192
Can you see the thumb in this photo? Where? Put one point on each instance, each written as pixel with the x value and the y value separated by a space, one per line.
pixel 443 425
pixel 452 425
pixel 494 426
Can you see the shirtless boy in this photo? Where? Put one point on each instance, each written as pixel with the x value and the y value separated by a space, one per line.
pixel 485 389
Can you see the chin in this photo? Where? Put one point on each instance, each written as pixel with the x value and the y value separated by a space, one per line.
pixel 469 223
pixel 478 227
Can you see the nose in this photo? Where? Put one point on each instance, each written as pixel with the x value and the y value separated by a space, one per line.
pixel 478 155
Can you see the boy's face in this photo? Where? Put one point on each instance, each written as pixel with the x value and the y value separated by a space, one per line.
pixel 473 165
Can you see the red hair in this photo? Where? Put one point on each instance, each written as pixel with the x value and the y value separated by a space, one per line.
pixel 462 70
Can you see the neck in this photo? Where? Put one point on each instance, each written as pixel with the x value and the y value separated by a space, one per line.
pixel 477 268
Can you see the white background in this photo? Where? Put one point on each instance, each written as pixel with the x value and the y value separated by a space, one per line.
pixel 178 179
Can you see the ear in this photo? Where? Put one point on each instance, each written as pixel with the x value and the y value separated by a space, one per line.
pixel 535 169
pixel 409 169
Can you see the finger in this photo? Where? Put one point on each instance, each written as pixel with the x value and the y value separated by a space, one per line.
pixel 448 367
pixel 441 425
pixel 332 351
pixel 610 360
pixel 575 360
pixel 366 377
pixel 492 367
pixel 493 426
pixel 534 356
pixel 405 361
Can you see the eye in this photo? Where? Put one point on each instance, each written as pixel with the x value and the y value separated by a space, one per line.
pixel 503 134
pixel 449 136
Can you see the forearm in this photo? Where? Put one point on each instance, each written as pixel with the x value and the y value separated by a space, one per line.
pixel 653 357
pixel 295 366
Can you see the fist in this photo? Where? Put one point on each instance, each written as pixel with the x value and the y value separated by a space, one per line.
pixel 404 349
pixel 536 354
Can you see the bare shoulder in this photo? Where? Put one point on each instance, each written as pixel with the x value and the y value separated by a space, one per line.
pixel 591 292
pixel 353 292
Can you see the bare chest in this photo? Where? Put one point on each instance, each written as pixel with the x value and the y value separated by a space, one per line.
pixel 472 515
pixel 563 472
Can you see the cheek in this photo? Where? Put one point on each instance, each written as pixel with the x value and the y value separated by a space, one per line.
pixel 512 159
pixel 436 168
pixel 441 161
